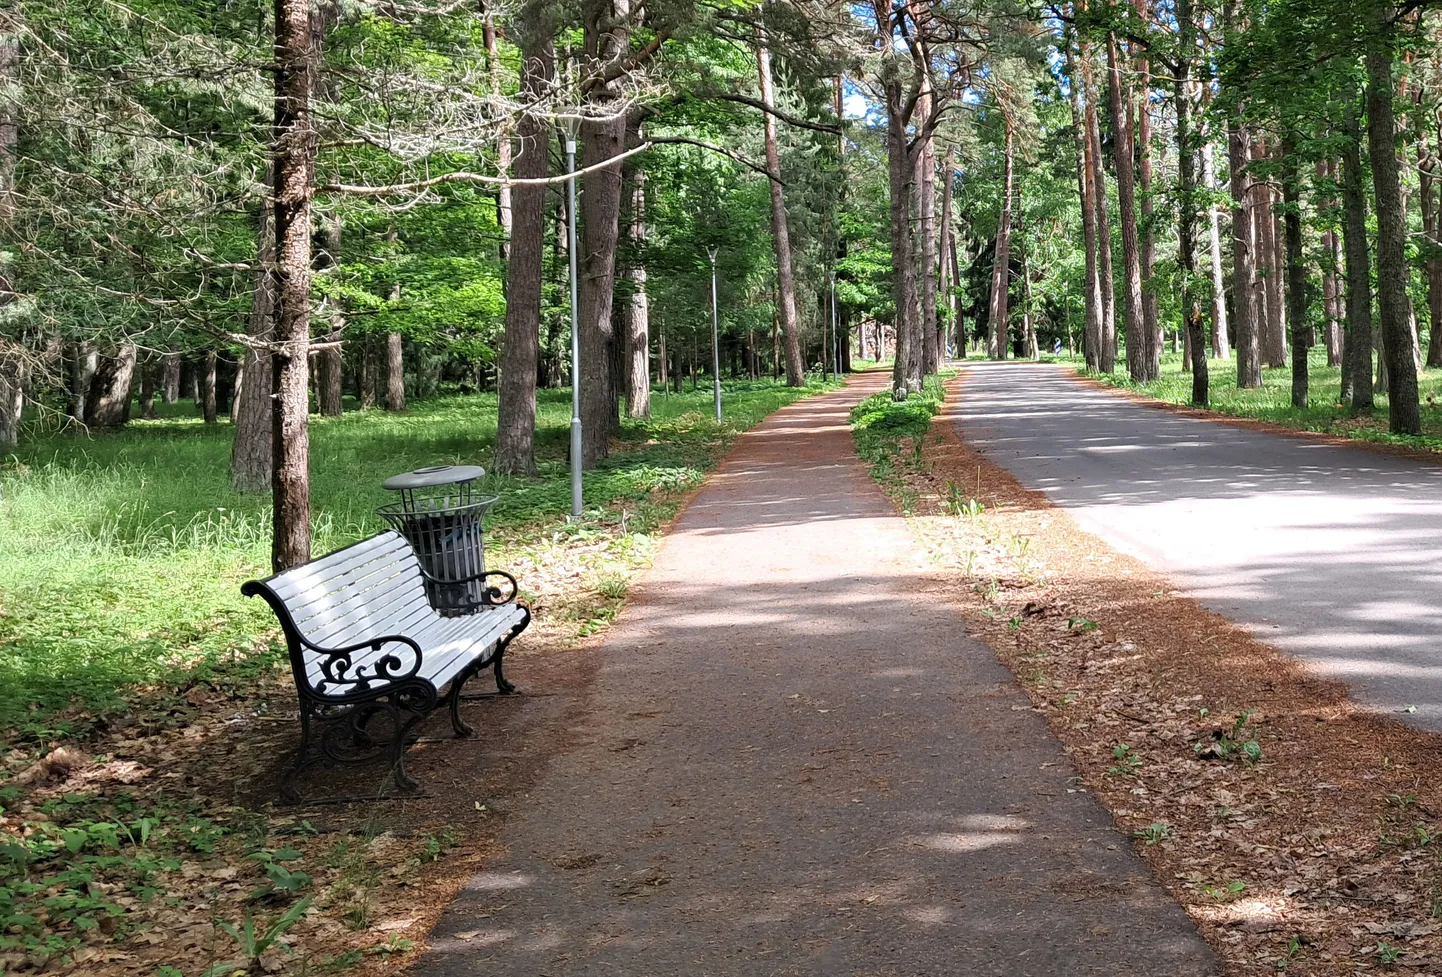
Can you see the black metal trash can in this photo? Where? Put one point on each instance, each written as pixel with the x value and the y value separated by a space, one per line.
pixel 441 517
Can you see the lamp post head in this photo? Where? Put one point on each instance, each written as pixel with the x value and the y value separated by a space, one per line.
pixel 712 252
pixel 570 125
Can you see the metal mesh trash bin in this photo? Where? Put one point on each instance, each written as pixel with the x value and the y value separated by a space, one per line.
pixel 441 517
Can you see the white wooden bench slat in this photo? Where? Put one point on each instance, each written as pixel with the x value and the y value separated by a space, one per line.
pixel 356 617
pixel 327 574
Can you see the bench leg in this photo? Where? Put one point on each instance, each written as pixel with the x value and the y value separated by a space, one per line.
pixel 302 759
pixel 502 686
pixel 458 724
pixel 401 706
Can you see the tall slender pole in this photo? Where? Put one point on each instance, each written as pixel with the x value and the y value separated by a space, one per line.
pixel 575 333
pixel 715 338
pixel 835 336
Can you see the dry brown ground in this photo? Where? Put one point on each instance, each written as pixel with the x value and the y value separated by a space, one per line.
pixel 1320 858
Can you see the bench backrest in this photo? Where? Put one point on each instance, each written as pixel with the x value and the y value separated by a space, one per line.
pixel 364 591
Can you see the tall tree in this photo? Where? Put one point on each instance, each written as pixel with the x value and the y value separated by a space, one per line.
pixel 998 334
pixel 1139 339
pixel 521 352
pixel 780 226
pixel 294 142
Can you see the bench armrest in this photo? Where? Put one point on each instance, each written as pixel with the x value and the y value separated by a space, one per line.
pixel 491 595
pixel 342 678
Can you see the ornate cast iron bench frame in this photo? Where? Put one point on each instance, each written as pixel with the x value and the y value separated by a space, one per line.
pixel 365 642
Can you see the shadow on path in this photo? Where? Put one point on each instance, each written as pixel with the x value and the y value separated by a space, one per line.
pixel 795 761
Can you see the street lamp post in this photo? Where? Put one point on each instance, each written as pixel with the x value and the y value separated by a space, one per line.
pixel 835 336
pixel 715 338
pixel 575 332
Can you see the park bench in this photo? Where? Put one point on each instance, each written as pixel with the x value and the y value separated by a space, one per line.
pixel 366 643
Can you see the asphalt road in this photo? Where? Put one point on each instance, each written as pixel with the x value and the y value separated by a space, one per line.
pixel 1333 554
pixel 795 761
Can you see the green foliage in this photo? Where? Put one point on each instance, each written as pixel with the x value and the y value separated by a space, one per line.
pixel 121 556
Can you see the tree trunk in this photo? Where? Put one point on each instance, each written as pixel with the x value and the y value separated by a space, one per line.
pixel 900 173
pixel 294 142
pixel 1138 338
pixel 366 373
pixel 780 229
pixel 1028 323
pixel 521 351
pixel 81 363
pixel 1430 200
pixel 946 282
pixel 1091 338
pixel 328 387
pixel 926 218
pixel 170 379
pixel 14 377
pixel 395 372
pixel 503 141
pixel 251 454
pixel 607 37
pixel 1330 262
pixel 1296 270
pixel 1246 314
pixel 147 368
pixel 1151 317
pixel 1221 345
pixel 1274 347
pixel 1108 353
pixel 1357 349
pixel 635 315
pixel 210 402
pixel 1187 204
pixel 108 403
pixel 998 335
pixel 1403 410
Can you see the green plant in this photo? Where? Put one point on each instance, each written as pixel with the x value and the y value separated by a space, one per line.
pixel 282 880
pixel 612 585
pixel 253 944
pixel 1155 833
pixel 1081 624
pixel 1127 762
pixel 1228 743
pixel 1387 955
pixel 1226 892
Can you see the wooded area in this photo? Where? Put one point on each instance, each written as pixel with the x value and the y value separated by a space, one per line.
pixel 280 211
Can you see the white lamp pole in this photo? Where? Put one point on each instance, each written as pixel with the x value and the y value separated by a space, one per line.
pixel 715 338
pixel 575 332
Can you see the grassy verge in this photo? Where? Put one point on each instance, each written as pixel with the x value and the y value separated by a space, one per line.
pixel 135 680
pixel 890 435
pixel 1272 402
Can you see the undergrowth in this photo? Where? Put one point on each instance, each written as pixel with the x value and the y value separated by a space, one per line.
pixel 890 435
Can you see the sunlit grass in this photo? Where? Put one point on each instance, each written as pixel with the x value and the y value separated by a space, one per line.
pixel 122 554
pixel 1272 402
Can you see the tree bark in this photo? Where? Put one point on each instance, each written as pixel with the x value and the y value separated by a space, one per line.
pixel 947 282
pixel 1187 204
pixel 1221 345
pixel 900 174
pixel 170 378
pixel 108 403
pixel 1151 317
pixel 1086 190
pixel 504 193
pixel 294 141
pixel 1274 344
pixel 1246 313
pixel 998 335
pixel 1139 340
pixel 1296 270
pixel 328 388
pixel 1357 348
pixel 1430 200
pixel 251 455
pixel 521 351
pixel 780 229
pixel 1330 262
pixel 147 370
pixel 14 378
pixel 210 404
pixel 1106 359
pixel 1403 409
pixel 81 363
pixel 607 38
pixel 635 314
pixel 395 372
pixel 926 220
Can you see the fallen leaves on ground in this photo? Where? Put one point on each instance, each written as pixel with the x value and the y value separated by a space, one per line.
pixel 1302 833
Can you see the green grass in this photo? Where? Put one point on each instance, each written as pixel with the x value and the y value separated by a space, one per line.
pixel 890 435
pixel 1272 402
pixel 122 554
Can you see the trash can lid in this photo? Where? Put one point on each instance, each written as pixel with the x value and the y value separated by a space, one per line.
pixel 435 475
